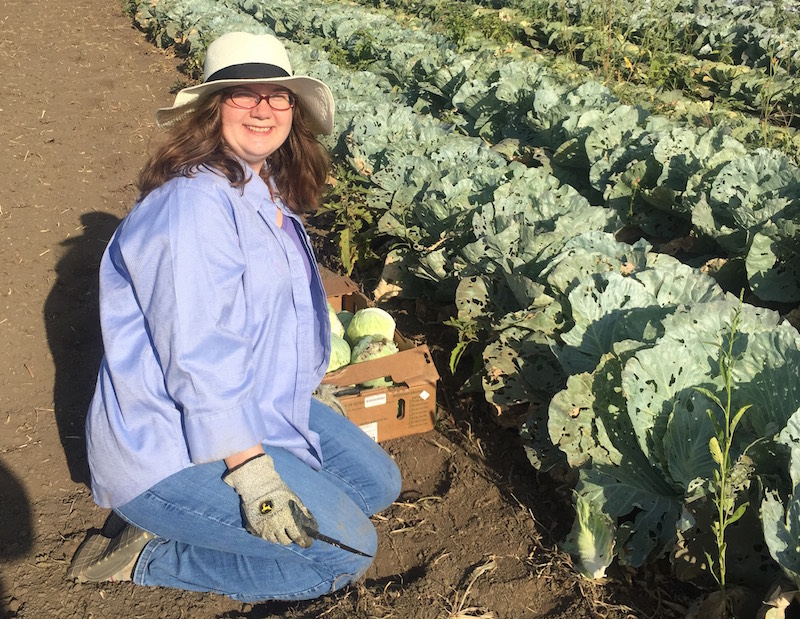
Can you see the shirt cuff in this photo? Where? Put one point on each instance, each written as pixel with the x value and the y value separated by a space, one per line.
pixel 212 436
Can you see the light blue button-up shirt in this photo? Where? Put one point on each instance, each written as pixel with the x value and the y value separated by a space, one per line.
pixel 214 340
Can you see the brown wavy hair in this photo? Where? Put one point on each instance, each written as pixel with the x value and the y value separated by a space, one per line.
pixel 298 169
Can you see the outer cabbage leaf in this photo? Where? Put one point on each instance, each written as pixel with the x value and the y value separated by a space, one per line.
pixel 611 307
pixel 605 309
pixel 667 414
pixel 780 518
pixel 531 217
pixel 685 152
pixel 767 375
pixel 593 252
pixel 577 418
pixel 640 435
pixel 481 299
pixel 704 325
pixel 790 436
pixel 737 199
pixel 619 127
pixel 519 366
pixel 781 532
pixel 631 491
pixel 556 107
pixel 773 262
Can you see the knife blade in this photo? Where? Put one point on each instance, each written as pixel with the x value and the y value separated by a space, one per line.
pixel 310 527
pixel 313 533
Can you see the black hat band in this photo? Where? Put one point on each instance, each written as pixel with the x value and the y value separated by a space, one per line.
pixel 248 71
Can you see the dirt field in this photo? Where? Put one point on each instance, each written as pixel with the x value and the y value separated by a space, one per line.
pixel 474 532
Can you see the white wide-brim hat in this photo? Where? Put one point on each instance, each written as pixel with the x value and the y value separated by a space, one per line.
pixel 238 58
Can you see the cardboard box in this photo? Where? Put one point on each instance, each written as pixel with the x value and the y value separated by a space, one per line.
pixel 384 413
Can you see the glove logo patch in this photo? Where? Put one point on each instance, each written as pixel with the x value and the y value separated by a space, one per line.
pixel 265 507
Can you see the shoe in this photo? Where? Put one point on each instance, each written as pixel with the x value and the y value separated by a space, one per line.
pixel 101 559
pixel 113 525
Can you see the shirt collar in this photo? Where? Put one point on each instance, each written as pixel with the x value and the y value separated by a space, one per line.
pixel 257 194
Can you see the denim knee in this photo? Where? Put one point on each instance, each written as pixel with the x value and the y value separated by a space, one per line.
pixel 383 482
pixel 339 567
pixel 349 567
pixel 391 484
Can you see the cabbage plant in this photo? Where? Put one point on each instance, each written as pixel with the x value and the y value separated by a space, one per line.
pixel 638 430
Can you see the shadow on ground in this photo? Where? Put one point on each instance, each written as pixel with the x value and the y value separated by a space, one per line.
pixel 16 530
pixel 73 333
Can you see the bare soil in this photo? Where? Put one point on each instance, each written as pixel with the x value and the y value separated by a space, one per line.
pixel 475 531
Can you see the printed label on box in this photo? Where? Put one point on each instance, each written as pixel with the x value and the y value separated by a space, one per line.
pixel 371 430
pixel 375 400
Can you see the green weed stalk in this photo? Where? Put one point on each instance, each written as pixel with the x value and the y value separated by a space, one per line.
pixel 353 221
pixel 724 421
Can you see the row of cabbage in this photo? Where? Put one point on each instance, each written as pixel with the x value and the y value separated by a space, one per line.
pixel 763 85
pixel 415 56
pixel 567 311
pixel 751 33
pixel 667 178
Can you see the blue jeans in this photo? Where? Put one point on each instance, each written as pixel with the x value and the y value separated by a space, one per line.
pixel 201 544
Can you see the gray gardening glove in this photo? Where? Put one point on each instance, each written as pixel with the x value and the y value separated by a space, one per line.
pixel 266 503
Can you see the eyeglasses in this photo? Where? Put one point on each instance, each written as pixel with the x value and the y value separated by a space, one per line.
pixel 247 100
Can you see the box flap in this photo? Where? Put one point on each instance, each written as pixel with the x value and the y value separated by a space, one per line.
pixel 410 366
pixel 336 285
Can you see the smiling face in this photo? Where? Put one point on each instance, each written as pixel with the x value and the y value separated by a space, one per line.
pixel 254 134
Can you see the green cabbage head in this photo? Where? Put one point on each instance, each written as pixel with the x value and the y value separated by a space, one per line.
pixel 340 353
pixel 373 347
pixel 344 317
pixel 336 326
pixel 370 321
